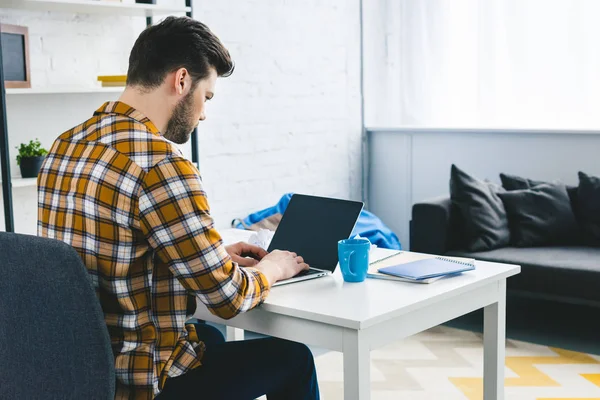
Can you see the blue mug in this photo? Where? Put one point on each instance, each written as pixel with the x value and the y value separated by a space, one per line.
pixel 353 256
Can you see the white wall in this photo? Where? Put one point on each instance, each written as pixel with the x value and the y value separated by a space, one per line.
pixel 288 119
pixel 409 165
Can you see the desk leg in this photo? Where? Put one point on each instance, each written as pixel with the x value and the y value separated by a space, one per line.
pixel 494 336
pixel 233 334
pixel 357 366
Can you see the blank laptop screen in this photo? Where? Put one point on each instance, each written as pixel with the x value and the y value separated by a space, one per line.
pixel 311 227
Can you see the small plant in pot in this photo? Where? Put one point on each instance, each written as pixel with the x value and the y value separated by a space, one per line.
pixel 30 158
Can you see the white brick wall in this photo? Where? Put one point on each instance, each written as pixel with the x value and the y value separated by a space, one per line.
pixel 288 119
pixel 73 49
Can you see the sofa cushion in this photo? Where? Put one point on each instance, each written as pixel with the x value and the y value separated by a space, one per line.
pixel 513 182
pixel 540 216
pixel 572 191
pixel 588 199
pixel 558 271
pixel 485 224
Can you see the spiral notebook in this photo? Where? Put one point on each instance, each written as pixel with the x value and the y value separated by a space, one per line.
pixel 383 259
pixel 427 268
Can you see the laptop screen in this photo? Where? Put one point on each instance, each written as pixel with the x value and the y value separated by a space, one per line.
pixel 312 226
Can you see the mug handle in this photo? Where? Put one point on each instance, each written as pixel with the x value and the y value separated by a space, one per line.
pixel 350 272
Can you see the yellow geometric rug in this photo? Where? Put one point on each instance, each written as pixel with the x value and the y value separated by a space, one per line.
pixel 447 364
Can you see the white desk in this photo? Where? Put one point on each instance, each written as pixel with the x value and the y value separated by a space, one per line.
pixel 355 318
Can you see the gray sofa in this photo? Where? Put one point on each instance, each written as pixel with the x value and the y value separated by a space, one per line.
pixel 567 273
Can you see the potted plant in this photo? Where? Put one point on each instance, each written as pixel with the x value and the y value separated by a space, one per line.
pixel 30 158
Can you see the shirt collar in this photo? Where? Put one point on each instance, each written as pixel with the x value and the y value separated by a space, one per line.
pixel 117 107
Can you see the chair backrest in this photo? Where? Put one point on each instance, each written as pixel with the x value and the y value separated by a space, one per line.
pixel 54 343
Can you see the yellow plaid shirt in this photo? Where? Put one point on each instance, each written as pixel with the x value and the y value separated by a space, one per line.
pixel 133 207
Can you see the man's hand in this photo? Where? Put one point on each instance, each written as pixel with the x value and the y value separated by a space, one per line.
pixel 246 255
pixel 279 265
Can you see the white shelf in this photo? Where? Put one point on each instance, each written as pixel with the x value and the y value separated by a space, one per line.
pixel 23 182
pixel 65 90
pixel 95 7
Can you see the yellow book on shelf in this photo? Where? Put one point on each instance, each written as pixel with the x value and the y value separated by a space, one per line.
pixel 112 78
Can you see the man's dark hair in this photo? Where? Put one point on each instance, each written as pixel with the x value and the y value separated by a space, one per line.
pixel 176 42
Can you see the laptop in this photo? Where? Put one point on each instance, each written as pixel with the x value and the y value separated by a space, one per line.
pixel 311 227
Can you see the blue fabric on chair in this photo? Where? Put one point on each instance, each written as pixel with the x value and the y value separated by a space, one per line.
pixel 54 343
pixel 368 226
pixel 258 216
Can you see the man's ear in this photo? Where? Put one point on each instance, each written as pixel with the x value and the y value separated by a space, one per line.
pixel 182 81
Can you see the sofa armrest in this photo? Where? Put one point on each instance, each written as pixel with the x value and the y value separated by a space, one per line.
pixel 433 228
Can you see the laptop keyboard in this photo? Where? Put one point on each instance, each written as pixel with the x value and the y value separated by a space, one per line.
pixel 308 272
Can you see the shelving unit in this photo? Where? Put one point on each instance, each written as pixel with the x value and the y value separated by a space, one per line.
pixel 95 7
pixel 23 182
pixel 67 6
pixel 64 90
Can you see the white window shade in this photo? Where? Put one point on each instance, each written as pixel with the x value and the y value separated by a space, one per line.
pixel 487 63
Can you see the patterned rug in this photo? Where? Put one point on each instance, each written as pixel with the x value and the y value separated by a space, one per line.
pixel 447 364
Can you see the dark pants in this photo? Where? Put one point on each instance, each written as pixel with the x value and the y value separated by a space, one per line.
pixel 245 370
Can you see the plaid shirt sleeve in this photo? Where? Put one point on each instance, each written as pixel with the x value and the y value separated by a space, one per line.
pixel 174 217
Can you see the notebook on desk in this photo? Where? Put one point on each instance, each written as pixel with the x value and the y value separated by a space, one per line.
pixel 409 260
pixel 427 268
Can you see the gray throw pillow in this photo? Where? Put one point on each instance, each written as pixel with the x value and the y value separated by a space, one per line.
pixel 588 205
pixel 540 216
pixel 482 211
pixel 513 182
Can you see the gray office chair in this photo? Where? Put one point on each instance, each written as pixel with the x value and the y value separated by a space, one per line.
pixel 53 340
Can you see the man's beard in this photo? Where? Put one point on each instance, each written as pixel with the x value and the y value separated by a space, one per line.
pixel 180 127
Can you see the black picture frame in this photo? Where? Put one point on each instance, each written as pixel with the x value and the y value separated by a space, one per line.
pixel 15 56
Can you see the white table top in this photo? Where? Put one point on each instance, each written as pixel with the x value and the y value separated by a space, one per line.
pixel 360 305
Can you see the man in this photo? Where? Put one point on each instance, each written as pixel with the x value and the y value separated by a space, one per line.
pixel 119 191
